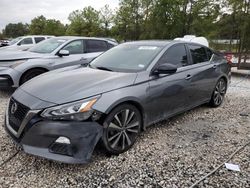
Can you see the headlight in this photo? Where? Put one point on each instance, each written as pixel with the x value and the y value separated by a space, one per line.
pixel 78 111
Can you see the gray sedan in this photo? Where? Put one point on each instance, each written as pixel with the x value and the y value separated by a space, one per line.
pixel 17 67
pixel 62 116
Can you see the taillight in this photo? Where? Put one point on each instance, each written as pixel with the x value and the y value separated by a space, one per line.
pixel 229 58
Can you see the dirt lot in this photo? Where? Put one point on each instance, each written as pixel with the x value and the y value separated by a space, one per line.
pixel 174 153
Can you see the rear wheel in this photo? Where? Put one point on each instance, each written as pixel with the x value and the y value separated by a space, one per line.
pixel 31 74
pixel 121 128
pixel 219 93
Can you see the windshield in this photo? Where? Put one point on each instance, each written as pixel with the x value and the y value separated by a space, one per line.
pixel 14 41
pixel 47 46
pixel 126 58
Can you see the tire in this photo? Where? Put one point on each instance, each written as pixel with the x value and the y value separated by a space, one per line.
pixel 121 128
pixel 31 74
pixel 218 93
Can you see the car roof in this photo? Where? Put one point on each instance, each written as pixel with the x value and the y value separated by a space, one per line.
pixel 76 37
pixel 161 43
pixel 37 36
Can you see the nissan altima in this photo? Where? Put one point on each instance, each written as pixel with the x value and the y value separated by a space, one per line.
pixel 63 114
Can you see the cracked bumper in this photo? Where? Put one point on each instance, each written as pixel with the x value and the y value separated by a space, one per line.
pixel 40 140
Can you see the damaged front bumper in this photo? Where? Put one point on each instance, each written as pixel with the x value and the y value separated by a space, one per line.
pixel 64 141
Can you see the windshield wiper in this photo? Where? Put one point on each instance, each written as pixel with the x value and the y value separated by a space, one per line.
pixel 104 68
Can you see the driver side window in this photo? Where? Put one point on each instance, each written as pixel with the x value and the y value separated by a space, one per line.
pixel 75 47
pixel 175 55
pixel 26 41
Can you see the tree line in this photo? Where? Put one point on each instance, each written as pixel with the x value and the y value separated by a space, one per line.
pixel 150 19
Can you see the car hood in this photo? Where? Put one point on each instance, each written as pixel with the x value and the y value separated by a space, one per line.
pixel 6 55
pixel 70 85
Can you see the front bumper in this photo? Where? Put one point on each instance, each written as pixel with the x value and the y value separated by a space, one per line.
pixel 5 82
pixel 9 77
pixel 39 139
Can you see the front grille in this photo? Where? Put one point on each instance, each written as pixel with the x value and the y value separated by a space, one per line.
pixel 16 117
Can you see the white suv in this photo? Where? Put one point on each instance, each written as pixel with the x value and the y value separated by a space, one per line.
pixel 25 42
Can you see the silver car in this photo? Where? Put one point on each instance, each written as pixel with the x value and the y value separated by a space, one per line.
pixel 58 52
pixel 25 42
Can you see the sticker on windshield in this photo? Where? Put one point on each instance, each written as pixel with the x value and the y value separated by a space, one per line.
pixel 147 48
pixel 61 40
pixel 141 66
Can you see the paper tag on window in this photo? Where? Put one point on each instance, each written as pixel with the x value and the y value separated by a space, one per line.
pixel 61 40
pixel 147 48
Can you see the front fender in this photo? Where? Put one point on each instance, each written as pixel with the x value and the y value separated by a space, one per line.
pixel 135 94
pixel 33 63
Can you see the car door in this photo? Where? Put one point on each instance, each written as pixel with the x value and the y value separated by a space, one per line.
pixel 76 55
pixel 202 76
pixel 167 94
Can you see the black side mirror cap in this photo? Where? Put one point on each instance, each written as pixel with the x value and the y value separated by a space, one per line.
pixel 165 68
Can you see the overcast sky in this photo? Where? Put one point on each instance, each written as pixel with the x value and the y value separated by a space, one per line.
pixel 25 10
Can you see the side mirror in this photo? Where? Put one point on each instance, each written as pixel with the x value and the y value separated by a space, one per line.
pixel 19 44
pixel 165 69
pixel 62 53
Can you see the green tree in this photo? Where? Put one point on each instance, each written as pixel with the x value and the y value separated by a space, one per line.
pixel 38 25
pixel 128 20
pixel 84 22
pixel 203 17
pixel 165 19
pixel 54 27
pixel 106 18
pixel 1 35
pixel 41 25
pixel 15 30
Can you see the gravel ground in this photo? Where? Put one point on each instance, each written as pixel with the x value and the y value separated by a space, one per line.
pixel 173 153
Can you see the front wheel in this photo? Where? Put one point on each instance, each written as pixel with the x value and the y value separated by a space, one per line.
pixel 121 128
pixel 219 93
pixel 31 74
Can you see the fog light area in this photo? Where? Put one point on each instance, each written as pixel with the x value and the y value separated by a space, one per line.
pixel 63 140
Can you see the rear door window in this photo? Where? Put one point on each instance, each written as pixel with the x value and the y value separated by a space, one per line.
pixel 39 39
pixel 96 46
pixel 198 53
pixel 110 45
pixel 26 41
pixel 209 53
pixel 175 55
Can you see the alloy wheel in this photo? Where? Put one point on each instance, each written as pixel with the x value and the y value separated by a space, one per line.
pixel 219 92
pixel 123 130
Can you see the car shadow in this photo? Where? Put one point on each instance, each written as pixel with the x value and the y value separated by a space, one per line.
pixel 7 92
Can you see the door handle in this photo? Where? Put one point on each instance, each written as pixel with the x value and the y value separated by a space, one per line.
pixel 188 77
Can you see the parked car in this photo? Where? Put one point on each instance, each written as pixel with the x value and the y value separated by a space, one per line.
pixel 25 42
pixel 61 115
pixel 58 52
pixel 231 57
pixel 4 42
pixel 193 38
